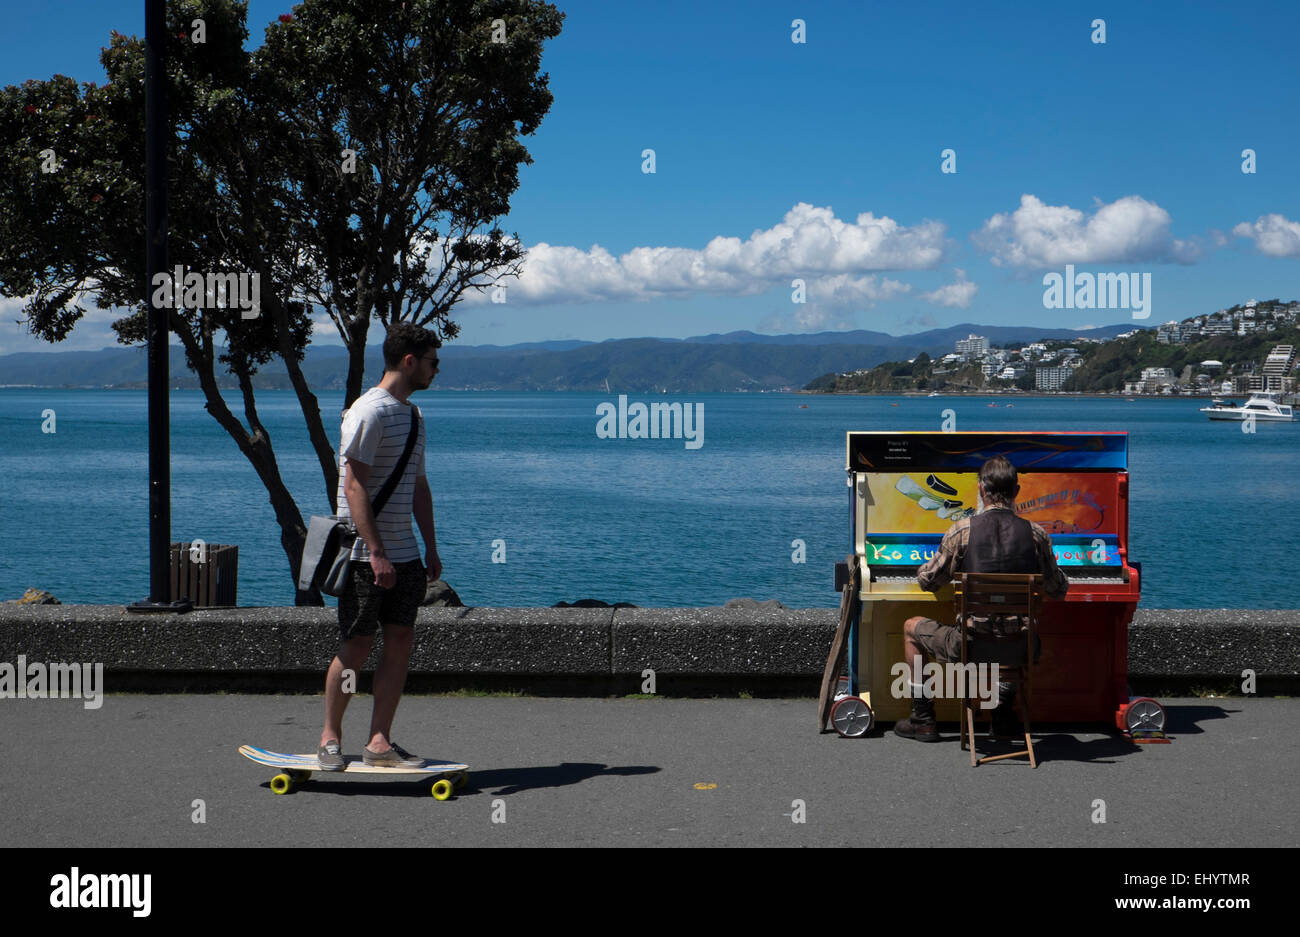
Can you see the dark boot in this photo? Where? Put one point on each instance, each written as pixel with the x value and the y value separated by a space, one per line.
pixel 921 726
pixel 1006 724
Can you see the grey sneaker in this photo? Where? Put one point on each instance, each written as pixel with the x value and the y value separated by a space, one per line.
pixel 330 756
pixel 395 757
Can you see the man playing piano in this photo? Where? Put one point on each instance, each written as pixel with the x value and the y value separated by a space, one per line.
pixel 993 541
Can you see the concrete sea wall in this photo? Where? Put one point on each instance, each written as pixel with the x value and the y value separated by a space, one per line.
pixel 582 651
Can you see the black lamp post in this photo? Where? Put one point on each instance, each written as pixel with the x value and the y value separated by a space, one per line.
pixel 155 174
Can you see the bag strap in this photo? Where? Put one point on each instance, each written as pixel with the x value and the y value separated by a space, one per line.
pixel 391 485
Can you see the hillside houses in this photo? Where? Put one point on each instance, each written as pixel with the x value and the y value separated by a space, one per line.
pixel 1241 320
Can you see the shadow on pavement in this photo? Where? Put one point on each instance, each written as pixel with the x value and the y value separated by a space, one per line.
pixel 1062 741
pixel 1063 747
pixel 499 781
pixel 1186 719
pixel 514 780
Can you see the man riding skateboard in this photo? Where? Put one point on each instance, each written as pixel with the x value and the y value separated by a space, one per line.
pixel 388 581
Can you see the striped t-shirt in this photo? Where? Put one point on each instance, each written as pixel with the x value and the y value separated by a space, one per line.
pixel 374 431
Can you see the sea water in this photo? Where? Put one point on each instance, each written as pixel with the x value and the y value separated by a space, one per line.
pixel 759 510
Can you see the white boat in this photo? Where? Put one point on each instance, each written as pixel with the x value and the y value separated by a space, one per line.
pixel 1261 406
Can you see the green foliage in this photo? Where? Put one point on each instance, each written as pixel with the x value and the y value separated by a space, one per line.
pixel 1115 363
pixel 429 103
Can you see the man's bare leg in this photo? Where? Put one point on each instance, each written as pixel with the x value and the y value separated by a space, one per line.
pixel 352 654
pixel 920 725
pixel 912 650
pixel 390 678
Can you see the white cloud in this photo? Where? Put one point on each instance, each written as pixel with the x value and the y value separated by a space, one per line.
pixel 1128 230
pixel 806 318
pixel 1274 235
pixel 91 333
pixel 833 257
pixel 322 326
pixel 957 295
pixel 846 290
pixel 921 322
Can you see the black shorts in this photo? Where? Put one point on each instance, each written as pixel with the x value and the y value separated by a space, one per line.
pixel 363 606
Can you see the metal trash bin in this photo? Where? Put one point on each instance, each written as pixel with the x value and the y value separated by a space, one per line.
pixel 205 573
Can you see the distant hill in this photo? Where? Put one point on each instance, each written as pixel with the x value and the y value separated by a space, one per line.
pixel 1200 352
pixel 737 361
pixel 942 340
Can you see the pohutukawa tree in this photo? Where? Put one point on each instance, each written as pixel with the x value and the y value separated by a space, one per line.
pixel 357 163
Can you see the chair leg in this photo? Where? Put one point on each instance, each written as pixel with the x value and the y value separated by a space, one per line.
pixel 1022 683
pixel 970 730
pixel 1024 706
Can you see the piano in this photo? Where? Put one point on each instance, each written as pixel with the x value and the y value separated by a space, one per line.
pixel 907 488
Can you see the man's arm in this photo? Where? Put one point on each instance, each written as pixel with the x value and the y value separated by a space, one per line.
pixel 1055 583
pixel 423 505
pixel 942 567
pixel 359 506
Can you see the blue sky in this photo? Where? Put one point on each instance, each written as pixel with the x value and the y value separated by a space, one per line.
pixel 821 160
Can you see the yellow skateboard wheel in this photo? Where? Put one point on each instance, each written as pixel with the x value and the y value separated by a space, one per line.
pixel 460 780
pixel 281 784
pixel 299 776
pixel 442 789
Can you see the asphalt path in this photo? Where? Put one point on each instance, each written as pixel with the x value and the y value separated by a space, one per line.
pixel 633 772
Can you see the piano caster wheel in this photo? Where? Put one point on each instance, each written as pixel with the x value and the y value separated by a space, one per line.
pixel 852 717
pixel 1144 715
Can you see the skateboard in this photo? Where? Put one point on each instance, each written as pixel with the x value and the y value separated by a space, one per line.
pixel 297 770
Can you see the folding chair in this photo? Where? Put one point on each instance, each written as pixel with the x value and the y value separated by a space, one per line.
pixel 989 594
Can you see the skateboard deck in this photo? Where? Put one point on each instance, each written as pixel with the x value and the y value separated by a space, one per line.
pixel 839 648
pixel 298 769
